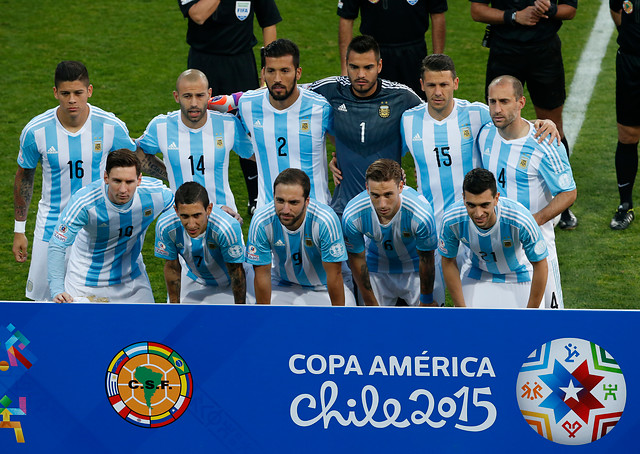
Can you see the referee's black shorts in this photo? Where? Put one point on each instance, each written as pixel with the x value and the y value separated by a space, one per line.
pixel 226 73
pixel 628 89
pixel 539 67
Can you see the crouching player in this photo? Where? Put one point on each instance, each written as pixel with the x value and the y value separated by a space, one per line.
pixel 303 240
pixel 507 266
pixel 209 241
pixel 395 260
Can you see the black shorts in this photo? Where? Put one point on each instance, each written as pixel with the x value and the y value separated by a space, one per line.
pixel 226 73
pixel 540 68
pixel 628 89
pixel 402 64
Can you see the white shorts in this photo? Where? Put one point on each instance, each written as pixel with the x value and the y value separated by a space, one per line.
pixel 296 295
pixel 137 290
pixel 495 294
pixel 192 292
pixel 37 288
pixel 389 287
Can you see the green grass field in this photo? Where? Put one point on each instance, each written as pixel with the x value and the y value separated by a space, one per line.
pixel 135 49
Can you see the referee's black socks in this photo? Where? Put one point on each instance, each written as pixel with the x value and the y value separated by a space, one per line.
pixel 626 169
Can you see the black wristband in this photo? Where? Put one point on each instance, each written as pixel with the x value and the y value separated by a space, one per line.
pixel 509 17
pixel 553 10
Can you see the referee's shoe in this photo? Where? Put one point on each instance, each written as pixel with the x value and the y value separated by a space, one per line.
pixel 568 220
pixel 623 217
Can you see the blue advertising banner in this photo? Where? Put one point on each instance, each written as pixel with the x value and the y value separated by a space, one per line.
pixel 245 379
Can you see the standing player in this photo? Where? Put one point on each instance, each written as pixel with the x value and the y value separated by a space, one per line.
pixel 209 241
pixel 195 143
pixel 400 239
pixel 287 124
pixel 367 112
pixel 72 142
pixel 220 35
pixel 538 175
pixel 524 43
pixel 626 16
pixel 303 240
pixel 507 266
pixel 105 224
pixel 399 27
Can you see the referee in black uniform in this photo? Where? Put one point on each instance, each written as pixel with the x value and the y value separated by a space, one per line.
pixel 399 27
pixel 221 40
pixel 626 15
pixel 524 43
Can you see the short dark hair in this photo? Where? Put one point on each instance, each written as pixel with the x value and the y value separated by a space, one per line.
pixel 122 158
pixel 192 192
pixel 281 48
pixel 70 71
pixel 384 170
pixel 518 89
pixel 479 180
pixel 438 62
pixel 291 177
pixel 363 44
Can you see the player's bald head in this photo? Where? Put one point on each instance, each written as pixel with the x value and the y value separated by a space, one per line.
pixel 191 75
pixel 516 85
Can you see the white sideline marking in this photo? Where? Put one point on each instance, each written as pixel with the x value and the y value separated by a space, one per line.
pixel 586 74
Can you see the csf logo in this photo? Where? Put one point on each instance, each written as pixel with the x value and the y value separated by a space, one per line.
pixel 149 384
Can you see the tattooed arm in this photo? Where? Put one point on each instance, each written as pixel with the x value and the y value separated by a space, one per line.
pixel 172 270
pixel 360 271
pixel 238 282
pixel 427 274
pixel 152 165
pixel 22 193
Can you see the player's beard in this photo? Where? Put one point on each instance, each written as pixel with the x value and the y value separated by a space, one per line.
pixel 282 96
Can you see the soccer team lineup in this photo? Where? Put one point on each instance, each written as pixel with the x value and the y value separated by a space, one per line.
pixel 479 226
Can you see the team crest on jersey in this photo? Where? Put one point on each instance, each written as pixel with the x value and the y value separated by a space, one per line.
pixel 308 241
pixel 235 251
pixel 242 10
pixel 336 250
pixel 305 125
pixel 384 111
pixel 466 133
pixel 219 142
pixel 148 212
pixel 97 146
pixel 212 245
pixel 571 391
pixel 524 162
pixel 507 242
pixel 406 234
pixel 627 5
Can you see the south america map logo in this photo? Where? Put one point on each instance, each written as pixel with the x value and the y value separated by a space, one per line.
pixel 149 384
pixel 571 391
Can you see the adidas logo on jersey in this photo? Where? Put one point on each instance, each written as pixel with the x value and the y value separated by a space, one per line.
pixel 417 138
pixel 279 243
pixel 257 124
pixel 52 150
pixel 173 146
pixel 342 108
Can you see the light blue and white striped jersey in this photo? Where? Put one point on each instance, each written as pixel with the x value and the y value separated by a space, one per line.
pixel 107 238
pixel 207 255
pixel 391 248
pixel 443 151
pixel 501 253
pixel 200 155
pixel 297 256
pixel 527 171
pixel 290 138
pixel 70 161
